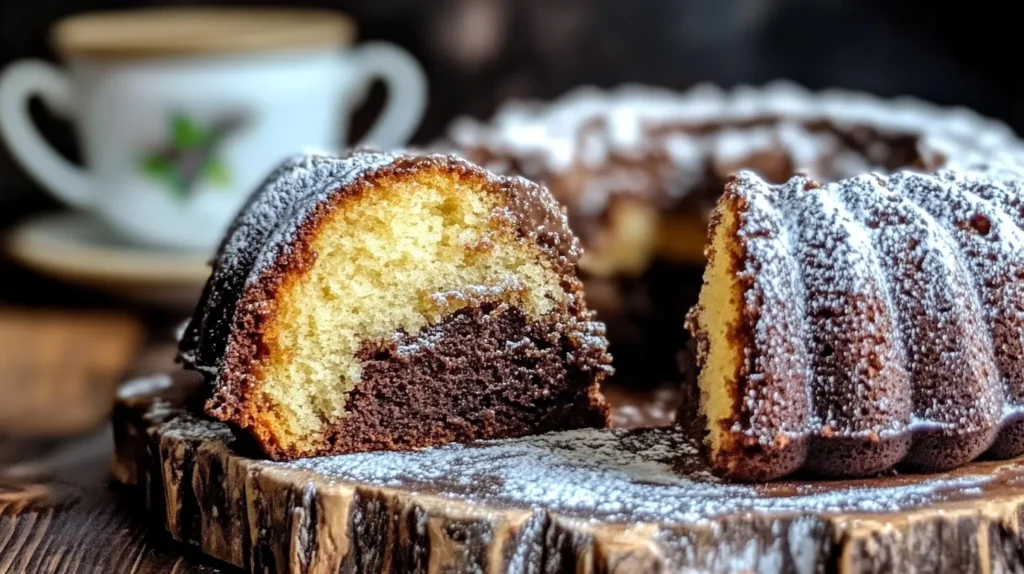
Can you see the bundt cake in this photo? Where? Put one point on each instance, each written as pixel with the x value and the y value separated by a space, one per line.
pixel 640 168
pixel 383 301
pixel 848 327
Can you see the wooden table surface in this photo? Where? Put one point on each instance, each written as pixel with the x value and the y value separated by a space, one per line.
pixel 59 511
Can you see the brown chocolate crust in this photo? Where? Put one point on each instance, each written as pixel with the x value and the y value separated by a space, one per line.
pixel 483 372
pixel 844 355
pixel 906 294
pixel 225 338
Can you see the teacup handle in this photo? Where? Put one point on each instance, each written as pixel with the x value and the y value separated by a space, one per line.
pixel 407 92
pixel 18 84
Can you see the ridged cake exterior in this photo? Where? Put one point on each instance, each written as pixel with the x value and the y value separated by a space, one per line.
pixel 383 301
pixel 847 328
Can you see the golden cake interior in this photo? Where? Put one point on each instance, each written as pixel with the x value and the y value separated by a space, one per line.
pixel 718 317
pixel 397 257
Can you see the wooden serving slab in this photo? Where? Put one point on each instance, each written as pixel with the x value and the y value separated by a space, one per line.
pixel 623 500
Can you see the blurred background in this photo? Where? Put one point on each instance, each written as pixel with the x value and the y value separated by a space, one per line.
pixel 477 54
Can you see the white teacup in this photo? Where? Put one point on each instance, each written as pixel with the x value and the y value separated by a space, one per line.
pixel 180 114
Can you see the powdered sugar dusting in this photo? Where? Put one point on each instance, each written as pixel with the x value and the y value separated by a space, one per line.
pixel 857 377
pixel 636 128
pixel 617 475
pixel 991 247
pixel 477 293
pixel 144 385
pixel 777 307
pixel 947 351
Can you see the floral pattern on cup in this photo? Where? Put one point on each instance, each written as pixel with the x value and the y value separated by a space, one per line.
pixel 190 155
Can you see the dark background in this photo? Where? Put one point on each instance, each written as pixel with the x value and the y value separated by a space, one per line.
pixel 480 52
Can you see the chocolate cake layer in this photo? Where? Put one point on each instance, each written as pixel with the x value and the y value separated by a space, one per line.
pixel 483 372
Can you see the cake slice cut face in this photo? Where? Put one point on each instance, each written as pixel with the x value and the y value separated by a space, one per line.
pixel 383 301
pixel 753 397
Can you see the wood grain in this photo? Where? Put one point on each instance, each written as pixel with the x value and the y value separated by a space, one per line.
pixel 267 517
pixel 60 515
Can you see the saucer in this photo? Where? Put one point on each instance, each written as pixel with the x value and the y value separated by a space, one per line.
pixel 80 248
